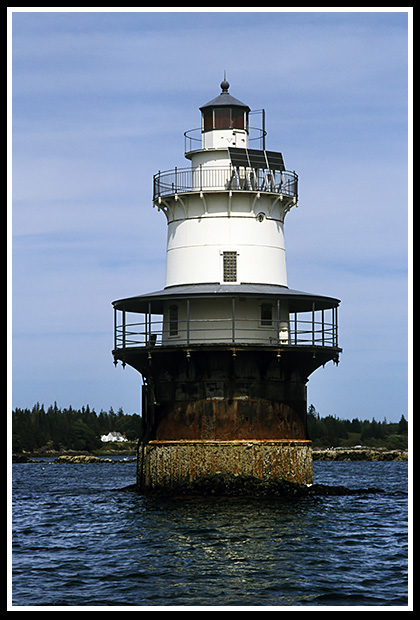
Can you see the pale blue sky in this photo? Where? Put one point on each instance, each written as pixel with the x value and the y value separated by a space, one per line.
pixel 100 104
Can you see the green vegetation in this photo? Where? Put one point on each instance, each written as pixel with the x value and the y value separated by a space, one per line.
pixel 54 429
pixel 330 431
pixel 57 429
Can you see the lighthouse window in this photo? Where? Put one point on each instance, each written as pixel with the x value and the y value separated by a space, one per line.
pixel 230 267
pixel 266 314
pixel 222 118
pixel 173 320
pixel 208 120
pixel 238 119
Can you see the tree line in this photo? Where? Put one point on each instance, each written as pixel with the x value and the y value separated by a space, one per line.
pixel 330 431
pixel 81 429
pixel 69 429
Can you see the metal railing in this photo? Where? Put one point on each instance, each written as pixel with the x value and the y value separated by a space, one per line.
pixel 314 331
pixel 206 178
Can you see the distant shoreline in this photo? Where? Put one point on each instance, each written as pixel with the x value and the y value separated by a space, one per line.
pixel 358 454
pixel 318 454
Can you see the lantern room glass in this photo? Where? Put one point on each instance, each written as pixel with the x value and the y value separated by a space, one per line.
pixel 224 118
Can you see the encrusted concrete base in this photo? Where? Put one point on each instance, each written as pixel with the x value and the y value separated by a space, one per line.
pixel 172 464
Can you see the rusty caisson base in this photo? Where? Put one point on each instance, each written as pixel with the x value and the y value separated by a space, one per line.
pixel 181 464
pixel 214 412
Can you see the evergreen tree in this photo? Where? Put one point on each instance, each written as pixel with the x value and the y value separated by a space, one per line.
pixel 403 426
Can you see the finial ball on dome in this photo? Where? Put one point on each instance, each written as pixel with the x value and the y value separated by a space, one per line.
pixel 224 85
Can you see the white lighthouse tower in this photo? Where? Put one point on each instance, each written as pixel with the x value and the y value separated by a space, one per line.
pixel 226 348
pixel 231 228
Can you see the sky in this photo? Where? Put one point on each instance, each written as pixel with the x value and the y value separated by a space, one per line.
pixel 99 102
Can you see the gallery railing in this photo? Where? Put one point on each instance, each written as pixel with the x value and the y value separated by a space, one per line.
pixel 313 330
pixel 206 178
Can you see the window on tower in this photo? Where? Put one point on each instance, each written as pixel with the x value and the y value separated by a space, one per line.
pixel 173 320
pixel 208 120
pixel 266 314
pixel 238 119
pixel 230 267
pixel 222 118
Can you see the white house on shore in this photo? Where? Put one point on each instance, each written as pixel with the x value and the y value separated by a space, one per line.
pixel 113 436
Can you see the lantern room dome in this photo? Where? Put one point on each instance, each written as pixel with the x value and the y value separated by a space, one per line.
pixel 225 99
pixel 224 112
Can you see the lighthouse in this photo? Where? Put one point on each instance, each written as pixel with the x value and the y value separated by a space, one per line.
pixel 225 350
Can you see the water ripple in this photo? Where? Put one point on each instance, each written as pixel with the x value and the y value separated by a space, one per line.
pixel 77 543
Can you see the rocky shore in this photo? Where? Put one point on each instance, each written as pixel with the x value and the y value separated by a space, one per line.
pixel 358 454
pixel 318 454
pixel 66 459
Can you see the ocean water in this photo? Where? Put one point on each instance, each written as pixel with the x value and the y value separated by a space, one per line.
pixel 79 541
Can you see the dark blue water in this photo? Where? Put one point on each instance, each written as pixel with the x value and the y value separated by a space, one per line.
pixel 77 542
